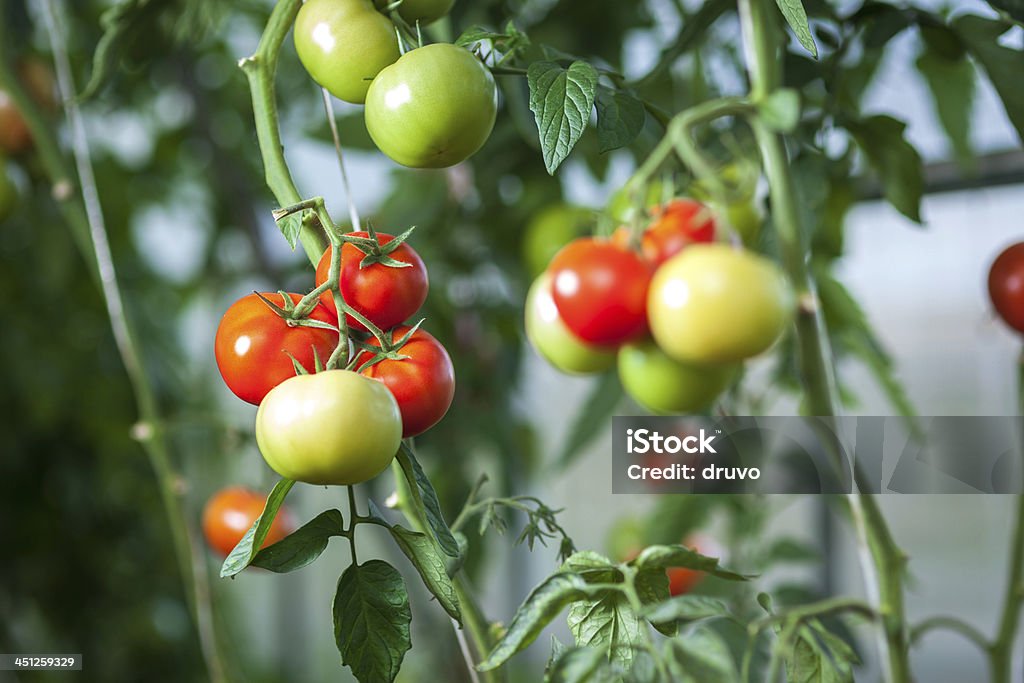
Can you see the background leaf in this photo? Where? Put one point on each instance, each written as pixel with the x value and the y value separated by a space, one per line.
pixel 1002 64
pixel 895 160
pixel 796 17
pixel 950 80
pixel 592 417
pixel 620 118
pixel 561 101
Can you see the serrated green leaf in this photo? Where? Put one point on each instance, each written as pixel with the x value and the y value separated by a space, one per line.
pixel 300 548
pixel 425 497
pixel 1003 65
pixel 371 621
pixel 290 226
pixel 243 553
pixel 620 118
pixel 430 565
pixel 544 603
pixel 817 656
pixel 781 110
pixel 592 567
pixel 685 608
pixel 561 101
pixel 652 589
pixel 581 665
pixel 606 621
pixel 591 417
pixel 1015 8
pixel 474 34
pixel 951 83
pixel 895 160
pixel 701 657
pixel 665 556
pixel 796 17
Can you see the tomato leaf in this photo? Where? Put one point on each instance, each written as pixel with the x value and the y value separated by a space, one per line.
pixel 665 556
pixel 425 499
pixel 652 588
pixel 371 621
pixel 301 547
pixel 818 656
pixel 685 608
pixel 544 603
pixel 247 548
pixel 620 118
pixel 781 110
pixel 1003 65
pixel 606 621
pixel 895 160
pixel 702 657
pixel 796 17
pixel 1015 8
pixel 561 101
pixel 591 418
pixel 430 565
pixel 582 665
pixel 290 226
pixel 950 79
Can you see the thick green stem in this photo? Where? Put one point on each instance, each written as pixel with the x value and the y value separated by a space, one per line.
pixel 883 562
pixel 260 69
pixel 1001 651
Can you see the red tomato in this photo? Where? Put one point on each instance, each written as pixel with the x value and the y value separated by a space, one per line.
pixel 1006 285
pixel 676 225
pixel 253 344
pixel 423 383
pixel 600 290
pixel 682 580
pixel 230 513
pixel 387 296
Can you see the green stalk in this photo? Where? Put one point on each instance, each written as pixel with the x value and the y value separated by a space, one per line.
pixel 1001 650
pixel 260 69
pixel 883 562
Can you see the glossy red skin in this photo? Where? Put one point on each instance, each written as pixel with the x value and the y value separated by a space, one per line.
pixel 386 296
pixel 1006 285
pixel 600 290
pixel 230 513
pixel 423 384
pixel 676 225
pixel 252 368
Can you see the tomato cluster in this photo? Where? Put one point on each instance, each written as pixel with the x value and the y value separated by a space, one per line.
pixel 432 107
pixel 676 311
pixel 339 426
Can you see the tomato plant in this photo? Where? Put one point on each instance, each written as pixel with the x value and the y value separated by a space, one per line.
pixel 231 511
pixel 1006 285
pixel 665 385
pixel 600 290
pixel 387 295
pixel 421 378
pixel 334 427
pixel 255 346
pixel 554 341
pixel 433 108
pixel 716 304
pixel 344 44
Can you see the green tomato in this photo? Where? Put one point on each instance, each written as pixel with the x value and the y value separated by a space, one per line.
pixel 550 230
pixel 432 108
pixel 712 303
pixel 664 385
pixel 423 11
pixel 8 193
pixel 554 341
pixel 333 427
pixel 344 44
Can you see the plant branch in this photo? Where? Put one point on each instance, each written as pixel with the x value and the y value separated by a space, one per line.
pixel 949 624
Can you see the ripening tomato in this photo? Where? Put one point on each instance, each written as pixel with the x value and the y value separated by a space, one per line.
pixel 254 346
pixel 332 428
pixel 344 44
pixel 423 382
pixel 712 303
pixel 386 295
pixel 682 580
pixel 433 108
pixel 1006 285
pixel 231 512
pixel 600 290
pixel 36 76
pixel 676 225
pixel 665 385
pixel 553 340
